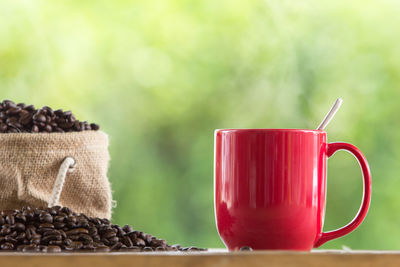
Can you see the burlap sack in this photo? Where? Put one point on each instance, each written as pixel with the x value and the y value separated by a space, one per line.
pixel 29 164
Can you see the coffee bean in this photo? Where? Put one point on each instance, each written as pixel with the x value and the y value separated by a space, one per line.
pixel 5 231
pixel 21 105
pixel 10 239
pixel 46 218
pixel 59 225
pixel 19 227
pixel 77 245
pixel 68 241
pixel 41 125
pixel 94 126
pixel 20 237
pixel 58 130
pixel 28 211
pixel 53 249
pixel 109 234
pixel 85 238
pixel 46 225
pixel 147 238
pixel 36 240
pixel 11 120
pixel 3 127
pixel 31 228
pixel 31 248
pixel 20 218
pixel 13 233
pixel 127 228
pixel 21 247
pixel 58 228
pixel 120 231
pixel 39 117
pixel 42 248
pixel 62 233
pixel 58 112
pixel 7 246
pixel 127 241
pixel 105 221
pixel 59 219
pixel 93 231
pixel 51 232
pixel 30 108
pixel 28 235
pixel 56 242
pixel 48 238
pixel 88 247
pixel 68 125
pixel 48 128
pixel 25 118
pixel 6 103
pixel 10 219
pixel 13 111
pixel 116 246
pixel 12 129
pixel 35 129
pixel 74 237
pixel 105 241
pixel 113 240
pixel 96 238
pixel 71 118
pixel 71 219
pixel 158 243
pixel 77 231
pixel 139 242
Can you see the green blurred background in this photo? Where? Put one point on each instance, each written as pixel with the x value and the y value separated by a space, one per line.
pixel 160 76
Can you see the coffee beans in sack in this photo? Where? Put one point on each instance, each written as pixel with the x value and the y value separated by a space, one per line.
pixel 48 157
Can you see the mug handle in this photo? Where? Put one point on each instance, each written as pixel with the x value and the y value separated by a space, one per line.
pixel 362 212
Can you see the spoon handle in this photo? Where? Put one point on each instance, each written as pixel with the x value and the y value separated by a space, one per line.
pixel 330 114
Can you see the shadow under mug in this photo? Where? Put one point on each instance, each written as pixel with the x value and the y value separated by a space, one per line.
pixel 270 187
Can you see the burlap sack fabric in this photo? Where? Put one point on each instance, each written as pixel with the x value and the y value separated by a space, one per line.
pixel 29 164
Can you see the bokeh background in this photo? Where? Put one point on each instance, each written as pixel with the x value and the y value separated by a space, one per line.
pixel 160 76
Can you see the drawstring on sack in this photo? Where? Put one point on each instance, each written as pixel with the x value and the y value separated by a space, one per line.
pixel 68 165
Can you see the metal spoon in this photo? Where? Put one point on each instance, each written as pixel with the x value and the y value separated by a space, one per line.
pixel 330 114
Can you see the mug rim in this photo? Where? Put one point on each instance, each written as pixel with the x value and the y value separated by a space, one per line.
pixel 270 130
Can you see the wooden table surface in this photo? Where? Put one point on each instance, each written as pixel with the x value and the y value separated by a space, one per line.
pixel 220 258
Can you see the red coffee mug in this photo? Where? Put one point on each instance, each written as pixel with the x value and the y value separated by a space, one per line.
pixel 270 187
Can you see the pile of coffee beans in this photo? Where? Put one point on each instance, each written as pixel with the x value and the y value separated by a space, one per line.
pixel 59 229
pixel 22 118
